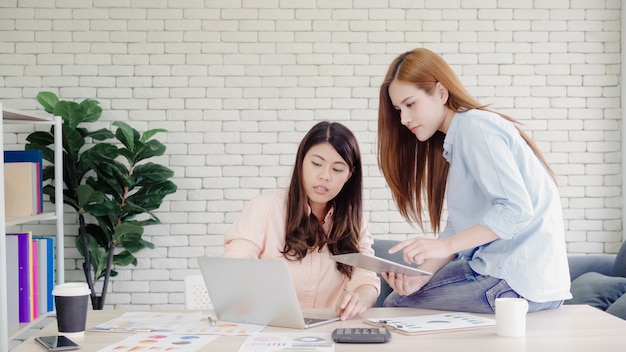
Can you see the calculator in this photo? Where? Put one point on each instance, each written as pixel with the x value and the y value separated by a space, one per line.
pixel 361 335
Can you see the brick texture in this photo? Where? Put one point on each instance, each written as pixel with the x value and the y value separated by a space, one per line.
pixel 238 83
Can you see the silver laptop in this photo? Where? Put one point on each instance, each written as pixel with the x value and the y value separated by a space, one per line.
pixel 256 292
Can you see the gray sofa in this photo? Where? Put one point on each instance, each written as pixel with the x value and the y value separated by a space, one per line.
pixel 598 280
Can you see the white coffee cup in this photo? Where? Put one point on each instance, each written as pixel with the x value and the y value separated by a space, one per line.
pixel 511 316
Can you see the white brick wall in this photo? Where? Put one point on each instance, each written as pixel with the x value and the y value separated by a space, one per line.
pixel 238 83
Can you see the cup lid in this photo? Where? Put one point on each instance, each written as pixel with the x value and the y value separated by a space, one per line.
pixel 71 289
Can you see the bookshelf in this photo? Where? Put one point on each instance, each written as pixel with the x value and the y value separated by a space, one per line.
pixel 11 116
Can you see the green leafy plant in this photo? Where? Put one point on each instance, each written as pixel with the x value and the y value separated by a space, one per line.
pixel 108 183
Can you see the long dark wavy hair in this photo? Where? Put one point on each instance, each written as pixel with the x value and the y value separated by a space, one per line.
pixel 303 231
pixel 412 167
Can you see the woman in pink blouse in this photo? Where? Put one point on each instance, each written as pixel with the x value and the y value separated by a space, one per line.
pixel 318 216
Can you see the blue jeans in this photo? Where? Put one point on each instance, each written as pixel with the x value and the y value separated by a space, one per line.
pixel 456 287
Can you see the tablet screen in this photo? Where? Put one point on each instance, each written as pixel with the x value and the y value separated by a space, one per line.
pixel 377 264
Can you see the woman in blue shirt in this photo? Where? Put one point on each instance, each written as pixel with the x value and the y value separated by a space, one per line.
pixel 504 232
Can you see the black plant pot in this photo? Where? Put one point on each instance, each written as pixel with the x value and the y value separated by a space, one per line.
pixel 97 302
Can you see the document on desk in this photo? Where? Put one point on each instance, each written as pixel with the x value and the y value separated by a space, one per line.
pixel 274 342
pixel 175 323
pixel 148 322
pixel 221 327
pixel 155 341
pixel 413 325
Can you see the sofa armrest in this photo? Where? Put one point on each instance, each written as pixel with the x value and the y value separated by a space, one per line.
pixel 581 263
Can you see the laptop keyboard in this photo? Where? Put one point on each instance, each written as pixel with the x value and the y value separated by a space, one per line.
pixel 309 321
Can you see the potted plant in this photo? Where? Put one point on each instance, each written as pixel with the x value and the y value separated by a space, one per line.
pixel 108 183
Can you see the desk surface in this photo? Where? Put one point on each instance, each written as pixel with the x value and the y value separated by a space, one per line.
pixel 569 328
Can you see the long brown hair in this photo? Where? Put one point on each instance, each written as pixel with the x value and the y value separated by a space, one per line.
pixel 408 164
pixel 304 232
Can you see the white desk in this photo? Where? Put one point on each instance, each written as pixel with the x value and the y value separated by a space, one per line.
pixel 569 328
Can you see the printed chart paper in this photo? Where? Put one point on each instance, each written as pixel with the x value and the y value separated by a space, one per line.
pixel 301 342
pixel 225 328
pixel 432 323
pixel 176 323
pixel 155 341
pixel 148 321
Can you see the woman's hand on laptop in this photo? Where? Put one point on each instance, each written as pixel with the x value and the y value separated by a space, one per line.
pixel 353 303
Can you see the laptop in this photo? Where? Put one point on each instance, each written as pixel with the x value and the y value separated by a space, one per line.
pixel 255 291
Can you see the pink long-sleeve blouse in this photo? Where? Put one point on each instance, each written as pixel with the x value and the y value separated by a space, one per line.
pixel 259 232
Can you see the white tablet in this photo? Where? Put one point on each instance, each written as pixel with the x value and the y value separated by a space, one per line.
pixel 377 264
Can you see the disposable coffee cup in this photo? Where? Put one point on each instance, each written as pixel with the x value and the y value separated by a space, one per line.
pixel 511 316
pixel 71 300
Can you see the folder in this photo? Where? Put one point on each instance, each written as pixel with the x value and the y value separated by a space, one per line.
pixel 50 273
pixel 36 158
pixel 34 280
pixel 46 273
pixel 18 189
pixel 23 293
pixel 13 282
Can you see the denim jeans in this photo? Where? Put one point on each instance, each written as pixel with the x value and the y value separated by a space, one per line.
pixel 456 287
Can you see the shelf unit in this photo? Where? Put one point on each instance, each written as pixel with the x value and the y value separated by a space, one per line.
pixel 10 116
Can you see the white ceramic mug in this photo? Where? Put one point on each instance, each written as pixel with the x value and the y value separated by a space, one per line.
pixel 511 316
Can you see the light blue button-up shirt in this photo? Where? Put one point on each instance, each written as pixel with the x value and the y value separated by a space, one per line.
pixel 497 181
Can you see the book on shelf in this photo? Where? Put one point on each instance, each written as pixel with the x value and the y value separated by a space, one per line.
pixel 50 273
pixel 34 280
pixel 18 190
pixel 30 276
pixel 24 273
pixel 42 283
pixel 23 176
pixel 46 273
pixel 13 282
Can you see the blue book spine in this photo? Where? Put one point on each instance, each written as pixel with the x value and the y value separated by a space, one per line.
pixel 50 273
pixel 46 273
pixel 21 156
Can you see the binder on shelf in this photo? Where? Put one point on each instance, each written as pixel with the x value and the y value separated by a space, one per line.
pixel 23 293
pixel 34 280
pixel 50 273
pixel 42 283
pixel 17 156
pixel 46 273
pixel 35 159
pixel 13 282
pixel 18 190
pixel 37 189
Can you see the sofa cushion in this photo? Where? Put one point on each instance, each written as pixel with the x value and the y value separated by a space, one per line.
pixel 618 308
pixel 597 290
pixel 619 268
